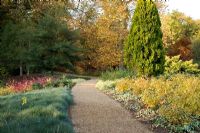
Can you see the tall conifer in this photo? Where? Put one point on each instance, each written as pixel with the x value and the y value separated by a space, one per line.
pixel 143 49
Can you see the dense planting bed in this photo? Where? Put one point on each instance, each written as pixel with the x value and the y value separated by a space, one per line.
pixel 38 111
pixel 172 103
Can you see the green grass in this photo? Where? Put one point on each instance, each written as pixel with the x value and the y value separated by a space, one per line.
pixel 116 74
pixel 44 112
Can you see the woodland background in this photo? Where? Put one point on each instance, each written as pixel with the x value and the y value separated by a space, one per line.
pixel 81 36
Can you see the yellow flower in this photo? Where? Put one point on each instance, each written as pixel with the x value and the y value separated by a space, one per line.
pixel 49 80
pixel 23 101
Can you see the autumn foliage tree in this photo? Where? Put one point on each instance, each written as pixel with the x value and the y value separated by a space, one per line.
pixel 183 48
pixel 104 27
pixel 144 49
pixel 178 32
pixel 103 33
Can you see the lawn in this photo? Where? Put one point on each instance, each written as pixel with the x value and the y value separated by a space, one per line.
pixel 40 111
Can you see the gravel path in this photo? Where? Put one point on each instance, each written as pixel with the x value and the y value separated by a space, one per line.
pixel 94 112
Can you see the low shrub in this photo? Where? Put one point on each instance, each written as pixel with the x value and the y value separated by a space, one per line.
pixel 25 84
pixel 104 85
pixel 123 85
pixel 130 102
pixel 61 82
pixel 181 103
pixel 174 65
pixel 6 91
pixel 54 83
pixel 176 99
pixel 66 82
pixel 116 74
pixel 135 86
pixel 36 86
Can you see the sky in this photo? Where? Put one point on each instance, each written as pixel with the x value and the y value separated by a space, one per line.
pixel 189 7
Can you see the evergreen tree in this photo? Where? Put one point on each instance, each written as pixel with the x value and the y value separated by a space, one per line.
pixel 59 43
pixel 42 44
pixel 18 48
pixel 143 49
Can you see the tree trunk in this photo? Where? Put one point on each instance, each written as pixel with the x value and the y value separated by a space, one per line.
pixel 28 71
pixel 21 70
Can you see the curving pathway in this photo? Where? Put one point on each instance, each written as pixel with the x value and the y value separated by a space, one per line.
pixel 95 112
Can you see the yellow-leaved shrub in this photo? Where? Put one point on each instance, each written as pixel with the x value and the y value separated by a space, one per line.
pixel 176 98
pixel 6 91
pixel 124 85
pixel 140 85
pixel 136 86
pixel 183 103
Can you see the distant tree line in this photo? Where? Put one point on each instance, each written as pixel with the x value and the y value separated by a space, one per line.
pixel 36 39
pixel 79 35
